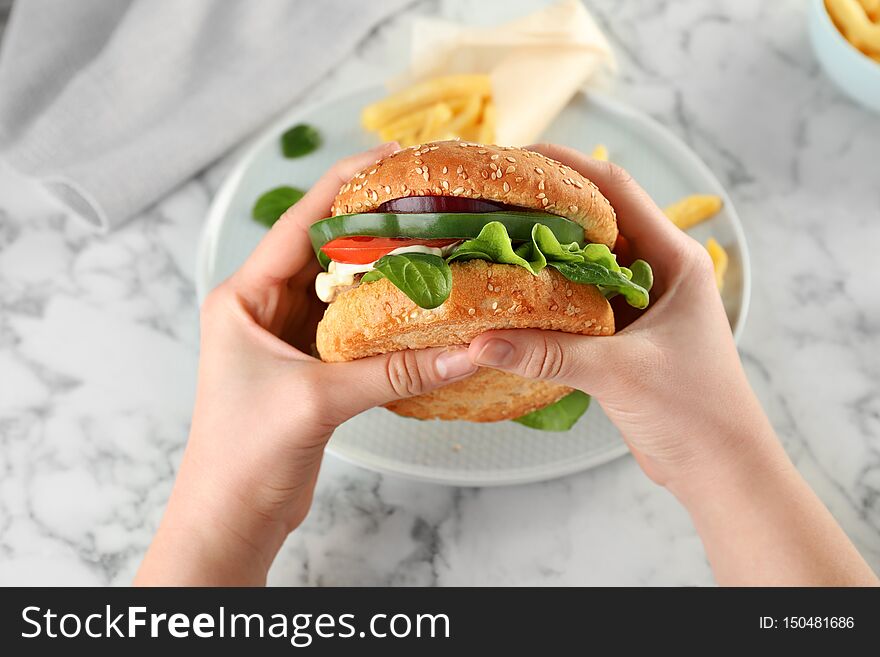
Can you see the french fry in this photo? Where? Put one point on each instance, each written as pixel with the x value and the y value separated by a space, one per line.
pixel 872 9
pixel 855 25
pixel 469 115
pixel 600 153
pixel 437 118
pixel 429 92
pixel 719 260
pixel 692 210
pixel 486 134
pixel 414 121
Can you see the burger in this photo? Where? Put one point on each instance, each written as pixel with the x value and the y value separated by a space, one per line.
pixel 440 242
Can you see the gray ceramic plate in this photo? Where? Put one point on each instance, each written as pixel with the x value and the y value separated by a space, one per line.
pixel 461 453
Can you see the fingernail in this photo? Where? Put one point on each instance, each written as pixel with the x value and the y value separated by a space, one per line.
pixel 453 363
pixel 495 353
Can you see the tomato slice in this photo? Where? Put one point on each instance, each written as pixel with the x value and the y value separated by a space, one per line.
pixel 362 250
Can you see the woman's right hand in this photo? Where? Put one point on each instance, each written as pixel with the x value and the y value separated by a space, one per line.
pixel 670 380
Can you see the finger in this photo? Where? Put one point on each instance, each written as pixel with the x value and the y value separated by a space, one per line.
pixel 286 247
pixel 370 382
pixel 583 362
pixel 638 217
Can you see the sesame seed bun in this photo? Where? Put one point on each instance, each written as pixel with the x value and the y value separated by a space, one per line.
pixel 377 318
pixel 496 173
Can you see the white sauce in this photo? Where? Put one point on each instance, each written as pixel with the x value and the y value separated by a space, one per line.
pixel 340 275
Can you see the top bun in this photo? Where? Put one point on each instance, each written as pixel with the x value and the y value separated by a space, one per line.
pixel 495 173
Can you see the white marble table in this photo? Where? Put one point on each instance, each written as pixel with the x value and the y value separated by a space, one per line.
pixel 98 342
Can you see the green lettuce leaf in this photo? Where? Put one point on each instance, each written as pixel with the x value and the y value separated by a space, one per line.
pixel 593 264
pixel 493 244
pixel 560 416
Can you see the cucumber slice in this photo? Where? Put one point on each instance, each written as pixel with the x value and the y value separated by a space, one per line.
pixel 464 225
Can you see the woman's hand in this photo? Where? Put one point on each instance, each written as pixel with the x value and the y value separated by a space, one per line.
pixel 672 382
pixel 670 374
pixel 265 407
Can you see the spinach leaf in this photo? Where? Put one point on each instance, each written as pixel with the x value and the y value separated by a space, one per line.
pixel 300 140
pixel 590 273
pixel 559 416
pixel 271 205
pixel 424 278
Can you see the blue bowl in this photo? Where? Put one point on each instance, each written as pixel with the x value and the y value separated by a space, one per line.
pixel 857 75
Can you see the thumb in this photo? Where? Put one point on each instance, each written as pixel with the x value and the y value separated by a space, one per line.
pixel 377 380
pixel 583 362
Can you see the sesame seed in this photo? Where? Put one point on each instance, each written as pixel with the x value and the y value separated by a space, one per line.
pixel 471 311
pixel 510 159
pixel 458 190
pixel 541 195
pixel 494 157
pixel 419 170
pixel 539 170
pixel 417 161
pixel 403 188
pixel 554 307
pixel 489 272
pixel 506 187
pixel 494 305
pixel 445 169
pixel 459 169
pixel 568 293
pixel 482 151
pixel 510 169
pixel 425 175
pixel 541 185
pixel 372 171
pixel 577 184
pixel 445 184
pixel 545 201
pixel 387 189
pixel 573 208
pixel 493 166
pixel 490 288
pixel 519 179
pixel 484 174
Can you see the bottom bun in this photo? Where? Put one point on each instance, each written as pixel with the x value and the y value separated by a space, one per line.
pixel 486 396
pixel 377 318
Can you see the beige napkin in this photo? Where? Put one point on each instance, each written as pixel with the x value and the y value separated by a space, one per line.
pixel 536 63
